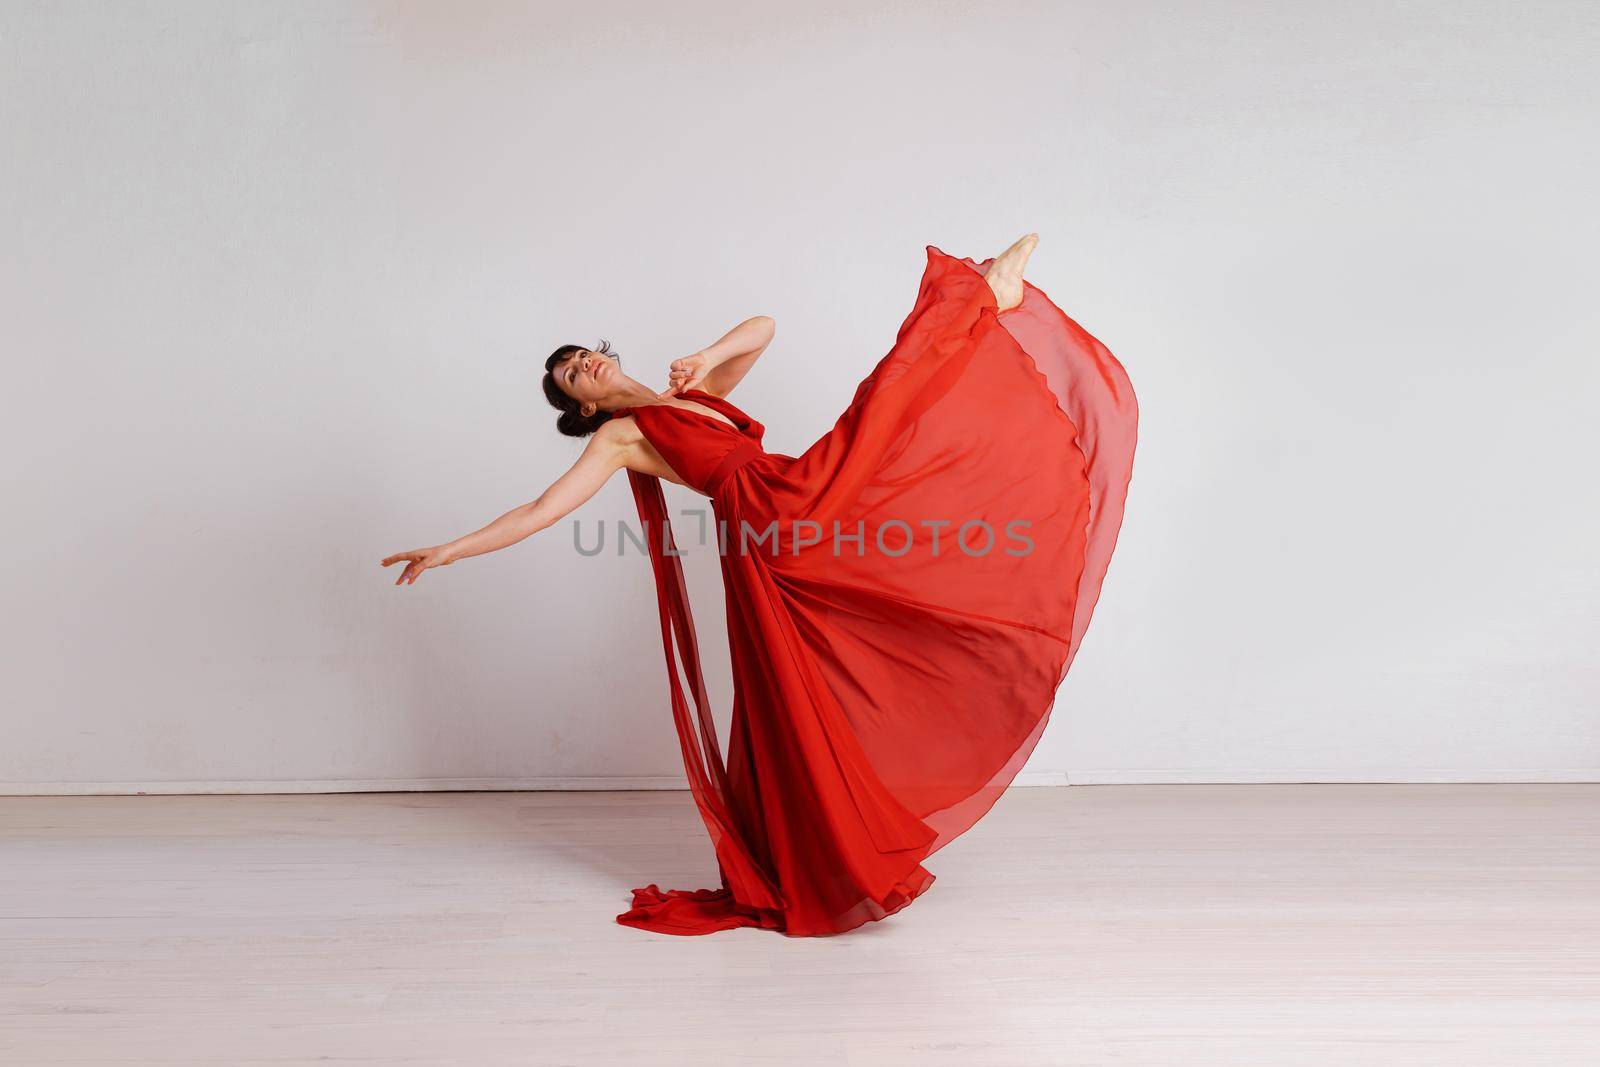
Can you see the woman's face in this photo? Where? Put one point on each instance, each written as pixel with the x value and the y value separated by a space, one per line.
pixel 588 377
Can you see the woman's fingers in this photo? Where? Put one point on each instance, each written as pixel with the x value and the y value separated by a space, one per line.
pixel 417 562
pixel 683 374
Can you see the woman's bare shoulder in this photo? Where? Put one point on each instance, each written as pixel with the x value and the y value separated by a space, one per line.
pixel 619 431
pixel 622 434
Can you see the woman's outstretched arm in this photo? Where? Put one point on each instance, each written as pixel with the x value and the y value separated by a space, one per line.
pixel 719 366
pixel 605 454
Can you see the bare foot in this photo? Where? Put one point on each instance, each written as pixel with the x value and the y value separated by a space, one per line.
pixel 1005 273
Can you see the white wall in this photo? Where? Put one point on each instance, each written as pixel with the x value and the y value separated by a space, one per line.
pixel 279 279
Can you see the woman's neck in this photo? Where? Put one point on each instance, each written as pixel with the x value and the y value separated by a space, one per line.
pixel 631 395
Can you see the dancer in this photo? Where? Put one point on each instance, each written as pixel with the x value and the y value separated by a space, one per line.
pixel 903 598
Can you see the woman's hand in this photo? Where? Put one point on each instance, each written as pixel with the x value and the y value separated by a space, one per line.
pixel 723 362
pixel 687 373
pixel 420 560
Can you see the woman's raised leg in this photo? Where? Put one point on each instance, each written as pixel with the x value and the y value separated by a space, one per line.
pixel 1005 273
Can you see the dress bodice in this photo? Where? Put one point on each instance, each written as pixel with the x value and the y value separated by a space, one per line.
pixel 702 450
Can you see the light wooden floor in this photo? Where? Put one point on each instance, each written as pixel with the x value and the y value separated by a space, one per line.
pixel 1162 925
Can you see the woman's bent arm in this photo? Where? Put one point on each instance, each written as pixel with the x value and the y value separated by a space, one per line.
pixel 605 454
pixel 719 366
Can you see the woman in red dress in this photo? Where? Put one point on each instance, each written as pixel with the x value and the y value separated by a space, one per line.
pixel 903 598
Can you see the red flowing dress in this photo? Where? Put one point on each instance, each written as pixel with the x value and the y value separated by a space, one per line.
pixel 893 663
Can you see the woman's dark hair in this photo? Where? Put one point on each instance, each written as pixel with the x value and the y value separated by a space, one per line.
pixel 572 421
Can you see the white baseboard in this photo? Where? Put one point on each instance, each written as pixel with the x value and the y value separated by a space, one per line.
pixel 388 785
pixel 1111 776
pixel 339 785
pixel 1313 776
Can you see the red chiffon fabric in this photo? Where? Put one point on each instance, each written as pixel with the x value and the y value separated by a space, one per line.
pixel 891 676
